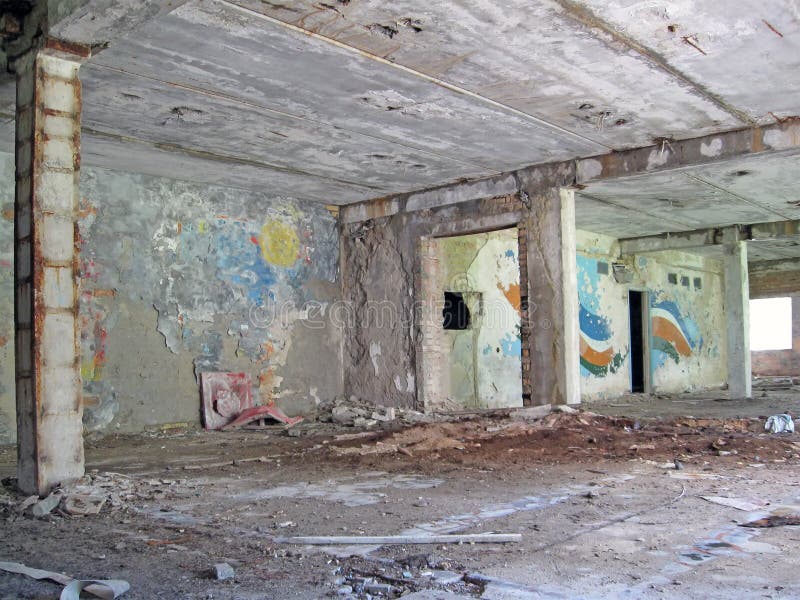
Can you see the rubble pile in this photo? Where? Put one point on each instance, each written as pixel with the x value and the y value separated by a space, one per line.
pixel 90 494
pixel 430 436
pixel 354 412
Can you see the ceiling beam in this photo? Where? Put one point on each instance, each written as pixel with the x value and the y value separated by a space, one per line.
pixel 671 155
pixel 780 137
pixel 711 236
pixel 679 240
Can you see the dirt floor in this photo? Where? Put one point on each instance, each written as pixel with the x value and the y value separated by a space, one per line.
pixel 607 507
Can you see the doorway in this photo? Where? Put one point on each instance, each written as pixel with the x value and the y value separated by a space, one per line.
pixel 637 307
pixel 471 329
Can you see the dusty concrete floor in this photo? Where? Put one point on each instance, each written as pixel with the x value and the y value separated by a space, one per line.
pixel 602 512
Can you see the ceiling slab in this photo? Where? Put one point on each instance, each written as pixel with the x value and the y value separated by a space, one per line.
pixel 214 78
pixel 756 189
pixel 533 56
pixel 737 48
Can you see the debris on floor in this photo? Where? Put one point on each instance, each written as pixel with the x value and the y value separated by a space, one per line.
pixel 747 505
pixel 373 540
pixel 780 424
pixel 105 589
pixel 223 571
pixel 225 396
pixel 774 521
pixel 93 492
pixel 258 416
pixel 353 412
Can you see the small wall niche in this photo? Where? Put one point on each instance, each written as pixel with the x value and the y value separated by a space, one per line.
pixel 456 315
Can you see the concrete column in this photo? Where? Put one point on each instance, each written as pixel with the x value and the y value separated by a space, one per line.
pixel 737 315
pixel 48 382
pixel 553 298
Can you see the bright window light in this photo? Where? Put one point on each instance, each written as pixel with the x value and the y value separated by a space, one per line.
pixel 771 324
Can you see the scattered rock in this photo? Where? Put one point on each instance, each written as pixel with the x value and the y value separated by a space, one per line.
pixel 223 571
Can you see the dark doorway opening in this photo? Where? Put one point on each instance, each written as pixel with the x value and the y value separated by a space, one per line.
pixel 638 346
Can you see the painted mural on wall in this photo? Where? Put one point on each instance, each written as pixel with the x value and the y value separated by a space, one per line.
pixel 484 366
pixel 598 354
pixel 227 275
pixel 675 334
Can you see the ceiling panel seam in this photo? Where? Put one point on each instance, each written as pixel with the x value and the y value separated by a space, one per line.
pixel 170 147
pixel 244 102
pixel 435 80
pixel 636 210
pixel 585 16
pixel 737 196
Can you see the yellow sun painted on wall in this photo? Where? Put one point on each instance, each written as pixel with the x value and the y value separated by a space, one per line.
pixel 279 243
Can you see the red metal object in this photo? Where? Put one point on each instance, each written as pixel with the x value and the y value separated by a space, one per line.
pixel 262 412
pixel 225 396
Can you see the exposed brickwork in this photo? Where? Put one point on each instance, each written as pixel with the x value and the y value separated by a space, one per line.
pixel 47 368
pixel 525 327
pixel 776 283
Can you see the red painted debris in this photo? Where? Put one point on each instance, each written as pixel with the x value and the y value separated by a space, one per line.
pixel 225 396
pixel 262 412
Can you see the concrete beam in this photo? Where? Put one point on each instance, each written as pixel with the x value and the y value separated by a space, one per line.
pixel 678 240
pixel 712 236
pixel 668 155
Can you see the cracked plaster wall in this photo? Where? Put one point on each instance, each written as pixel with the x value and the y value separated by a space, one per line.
pixel 177 278
pixel 380 276
pixel 687 322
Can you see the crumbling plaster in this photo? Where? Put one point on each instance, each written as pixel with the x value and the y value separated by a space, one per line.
pixel 178 278
pixel 381 267
pixel 482 364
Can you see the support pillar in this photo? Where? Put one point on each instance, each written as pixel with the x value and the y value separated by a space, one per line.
pixel 48 382
pixel 737 315
pixel 552 312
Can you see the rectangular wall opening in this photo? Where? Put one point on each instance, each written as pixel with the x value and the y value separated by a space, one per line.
pixel 771 324
pixel 638 343
pixel 472 340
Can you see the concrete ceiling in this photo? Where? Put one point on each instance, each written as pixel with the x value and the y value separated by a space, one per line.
pixel 756 189
pixel 346 100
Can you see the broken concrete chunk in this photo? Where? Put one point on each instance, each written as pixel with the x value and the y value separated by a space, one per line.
pixel 383 414
pixel 83 504
pixel 343 415
pixel 46 506
pixel 223 571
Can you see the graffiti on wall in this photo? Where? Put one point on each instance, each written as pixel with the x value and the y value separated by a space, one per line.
pixel 675 334
pixel 598 354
